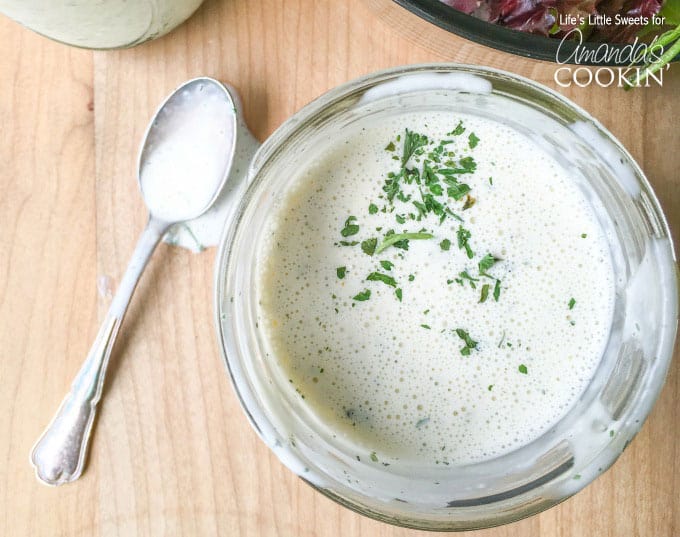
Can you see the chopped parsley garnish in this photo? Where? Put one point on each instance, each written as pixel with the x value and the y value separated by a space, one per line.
pixel 584 235
pixel 412 142
pixel 469 202
pixel 395 238
pixel 350 227
pixel 485 293
pixel 470 343
pixel 572 303
pixel 364 295
pixel 458 130
pixel 380 277
pixel 387 265
pixel 368 246
pixel 465 276
pixel 426 326
pixel 463 241
pixel 490 387
pixel 457 190
pixel 427 182
pixel 523 369
pixel 486 263
pixel 374 456
pixel 497 290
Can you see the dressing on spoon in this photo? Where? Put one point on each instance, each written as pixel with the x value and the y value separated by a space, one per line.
pixel 183 165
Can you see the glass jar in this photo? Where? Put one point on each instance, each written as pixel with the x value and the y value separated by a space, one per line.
pixel 626 383
pixel 100 24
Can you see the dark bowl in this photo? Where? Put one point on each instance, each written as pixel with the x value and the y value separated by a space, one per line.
pixel 505 39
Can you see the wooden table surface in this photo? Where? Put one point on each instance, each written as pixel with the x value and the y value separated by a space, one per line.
pixel 173 453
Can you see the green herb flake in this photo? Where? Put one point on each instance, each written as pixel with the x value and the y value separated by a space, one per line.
pixel 584 235
pixel 380 277
pixel 458 130
pixel 363 296
pixel 341 271
pixel 398 293
pixel 372 208
pixel 426 326
pixel 470 344
pixel 457 190
pixel 396 239
pixel 485 293
pixel 465 276
pixel 412 142
pixel 473 140
pixel 523 369
pixel 411 277
pixel 390 147
pixel 572 303
pixel 463 241
pixel 469 202
pixel 387 265
pixel 350 227
pixel 374 456
pixel 486 263
pixel 497 290
pixel 490 387
pixel 445 245
pixel 368 246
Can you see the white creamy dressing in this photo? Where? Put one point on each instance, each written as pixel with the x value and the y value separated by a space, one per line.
pixel 187 157
pixel 390 375
pixel 97 23
pixel 206 230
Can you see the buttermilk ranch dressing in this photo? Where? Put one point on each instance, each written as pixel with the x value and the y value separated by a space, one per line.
pixel 423 362
pixel 185 162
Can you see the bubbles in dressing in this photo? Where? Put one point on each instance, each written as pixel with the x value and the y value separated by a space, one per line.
pixel 390 374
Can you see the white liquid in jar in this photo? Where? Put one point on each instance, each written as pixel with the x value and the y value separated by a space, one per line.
pixel 394 376
pixel 100 24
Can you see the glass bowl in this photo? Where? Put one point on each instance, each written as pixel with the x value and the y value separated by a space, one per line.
pixel 589 438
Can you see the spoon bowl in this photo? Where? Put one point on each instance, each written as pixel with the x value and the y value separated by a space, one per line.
pixel 192 135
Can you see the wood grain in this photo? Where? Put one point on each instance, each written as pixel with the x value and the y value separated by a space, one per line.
pixel 173 453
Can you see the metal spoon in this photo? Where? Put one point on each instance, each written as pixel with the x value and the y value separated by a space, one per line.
pixel 59 454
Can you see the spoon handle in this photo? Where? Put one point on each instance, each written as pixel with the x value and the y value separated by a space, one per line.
pixel 59 454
